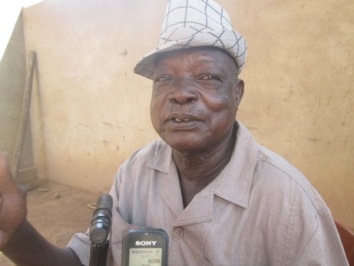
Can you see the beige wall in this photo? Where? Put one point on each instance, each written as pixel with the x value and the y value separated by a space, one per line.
pixel 12 84
pixel 92 112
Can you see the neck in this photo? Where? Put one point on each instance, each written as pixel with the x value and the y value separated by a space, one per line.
pixel 196 170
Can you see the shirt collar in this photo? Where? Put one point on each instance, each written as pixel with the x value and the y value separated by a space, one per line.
pixel 235 181
pixel 162 159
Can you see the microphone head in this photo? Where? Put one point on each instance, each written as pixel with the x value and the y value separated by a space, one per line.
pixel 105 202
pixel 102 219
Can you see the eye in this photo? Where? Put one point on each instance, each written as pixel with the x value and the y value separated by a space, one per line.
pixel 209 77
pixel 162 78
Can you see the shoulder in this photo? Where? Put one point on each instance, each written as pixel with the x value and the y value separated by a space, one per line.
pixel 287 183
pixel 140 166
pixel 294 215
pixel 147 153
pixel 153 156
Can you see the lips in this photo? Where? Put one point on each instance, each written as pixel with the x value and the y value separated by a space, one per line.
pixel 180 118
pixel 182 122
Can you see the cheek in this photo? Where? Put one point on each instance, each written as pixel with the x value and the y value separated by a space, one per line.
pixel 153 109
pixel 155 113
pixel 224 116
pixel 225 106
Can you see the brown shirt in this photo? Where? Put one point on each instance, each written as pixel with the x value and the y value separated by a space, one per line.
pixel 260 210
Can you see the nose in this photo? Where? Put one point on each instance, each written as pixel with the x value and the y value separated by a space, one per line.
pixel 183 92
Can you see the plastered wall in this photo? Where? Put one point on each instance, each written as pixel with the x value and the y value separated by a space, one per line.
pixel 12 84
pixel 91 112
pixel 12 78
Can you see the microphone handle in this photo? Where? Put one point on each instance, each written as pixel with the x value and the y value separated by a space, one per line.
pixel 100 229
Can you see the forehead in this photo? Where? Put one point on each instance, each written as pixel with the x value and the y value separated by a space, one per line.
pixel 196 55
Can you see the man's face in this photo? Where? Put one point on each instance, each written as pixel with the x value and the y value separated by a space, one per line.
pixel 195 98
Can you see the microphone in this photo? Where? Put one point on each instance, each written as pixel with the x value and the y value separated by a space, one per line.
pixel 101 220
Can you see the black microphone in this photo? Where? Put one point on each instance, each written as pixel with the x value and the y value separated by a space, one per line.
pixel 101 220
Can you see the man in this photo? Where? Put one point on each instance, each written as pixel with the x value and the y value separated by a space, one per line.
pixel 222 198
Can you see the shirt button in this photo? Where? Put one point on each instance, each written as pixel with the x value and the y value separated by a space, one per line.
pixel 180 232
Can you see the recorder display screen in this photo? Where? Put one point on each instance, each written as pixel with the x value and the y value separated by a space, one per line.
pixel 145 256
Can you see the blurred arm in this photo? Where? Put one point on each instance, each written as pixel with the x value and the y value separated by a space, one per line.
pixel 19 240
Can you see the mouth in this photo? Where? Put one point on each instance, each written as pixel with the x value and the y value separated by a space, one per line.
pixel 182 118
pixel 178 120
pixel 182 123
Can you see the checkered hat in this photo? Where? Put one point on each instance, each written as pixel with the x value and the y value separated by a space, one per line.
pixel 193 23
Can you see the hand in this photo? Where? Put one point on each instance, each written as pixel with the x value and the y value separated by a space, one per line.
pixel 13 209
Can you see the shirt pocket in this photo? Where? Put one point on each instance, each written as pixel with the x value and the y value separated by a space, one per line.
pixel 119 228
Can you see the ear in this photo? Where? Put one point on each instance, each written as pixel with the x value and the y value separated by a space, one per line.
pixel 239 89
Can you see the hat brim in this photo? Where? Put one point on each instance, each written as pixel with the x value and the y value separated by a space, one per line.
pixel 145 67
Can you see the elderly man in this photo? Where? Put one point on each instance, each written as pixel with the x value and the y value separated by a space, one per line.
pixel 222 198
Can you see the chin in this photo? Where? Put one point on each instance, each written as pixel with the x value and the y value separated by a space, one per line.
pixel 187 145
